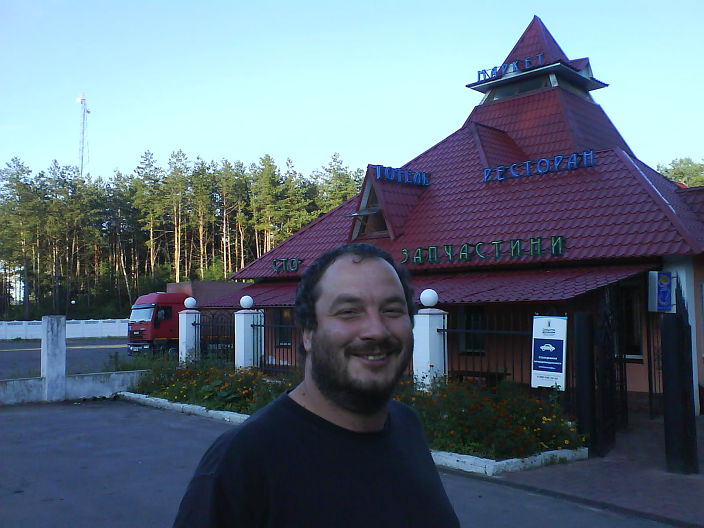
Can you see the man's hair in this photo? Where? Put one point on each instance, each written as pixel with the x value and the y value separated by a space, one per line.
pixel 308 291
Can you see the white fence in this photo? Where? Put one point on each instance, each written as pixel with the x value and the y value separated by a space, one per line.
pixel 74 328
pixel 54 384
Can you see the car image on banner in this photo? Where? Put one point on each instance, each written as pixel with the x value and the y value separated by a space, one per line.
pixel 548 355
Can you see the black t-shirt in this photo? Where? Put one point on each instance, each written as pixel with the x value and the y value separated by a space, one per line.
pixel 287 467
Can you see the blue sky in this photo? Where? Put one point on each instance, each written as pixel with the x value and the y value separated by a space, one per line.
pixel 376 81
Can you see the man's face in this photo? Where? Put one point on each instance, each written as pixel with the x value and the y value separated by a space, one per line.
pixel 364 339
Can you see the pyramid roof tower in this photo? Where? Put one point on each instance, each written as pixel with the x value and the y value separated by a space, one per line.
pixel 536 178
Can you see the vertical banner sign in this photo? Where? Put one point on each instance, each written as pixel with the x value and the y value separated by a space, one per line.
pixel 661 292
pixel 549 351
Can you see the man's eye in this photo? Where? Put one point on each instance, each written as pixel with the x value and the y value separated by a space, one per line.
pixel 347 312
pixel 395 311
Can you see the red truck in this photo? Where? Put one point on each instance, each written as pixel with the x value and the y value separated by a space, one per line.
pixel 153 323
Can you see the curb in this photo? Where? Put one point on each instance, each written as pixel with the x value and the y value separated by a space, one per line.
pixel 489 467
pixel 185 408
pixel 455 461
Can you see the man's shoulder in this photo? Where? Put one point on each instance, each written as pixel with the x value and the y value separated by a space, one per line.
pixel 272 417
pixel 400 411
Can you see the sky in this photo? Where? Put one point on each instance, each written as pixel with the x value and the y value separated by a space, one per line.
pixel 375 81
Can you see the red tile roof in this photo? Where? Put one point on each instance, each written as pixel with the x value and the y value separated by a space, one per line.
pixel 550 122
pixel 617 209
pixel 326 232
pixel 495 146
pixel 264 294
pixel 396 201
pixel 522 286
pixel 694 197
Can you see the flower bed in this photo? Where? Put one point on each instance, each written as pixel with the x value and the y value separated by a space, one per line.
pixel 465 418
pixel 508 422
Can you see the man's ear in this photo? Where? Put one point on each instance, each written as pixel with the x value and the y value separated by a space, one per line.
pixel 307 340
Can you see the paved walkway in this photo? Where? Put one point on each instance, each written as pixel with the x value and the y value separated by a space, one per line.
pixel 102 463
pixel 631 477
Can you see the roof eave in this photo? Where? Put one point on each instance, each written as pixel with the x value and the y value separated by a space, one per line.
pixel 563 70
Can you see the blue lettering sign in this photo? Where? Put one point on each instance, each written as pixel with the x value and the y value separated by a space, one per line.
pixel 403 176
pixel 495 250
pixel 541 166
pixel 511 67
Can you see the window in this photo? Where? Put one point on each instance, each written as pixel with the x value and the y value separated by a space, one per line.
pixel 141 314
pixel 472 318
pixel 520 87
pixel 163 313
pixel 284 326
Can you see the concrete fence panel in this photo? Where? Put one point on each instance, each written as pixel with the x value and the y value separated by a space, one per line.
pixel 74 328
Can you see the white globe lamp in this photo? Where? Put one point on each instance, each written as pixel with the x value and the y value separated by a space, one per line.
pixel 246 302
pixel 190 303
pixel 428 297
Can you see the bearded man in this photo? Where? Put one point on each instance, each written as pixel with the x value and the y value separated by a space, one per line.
pixel 337 451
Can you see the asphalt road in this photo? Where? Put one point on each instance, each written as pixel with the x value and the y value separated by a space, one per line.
pixel 21 359
pixel 115 464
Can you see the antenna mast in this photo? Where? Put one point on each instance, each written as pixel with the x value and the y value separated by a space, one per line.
pixel 84 123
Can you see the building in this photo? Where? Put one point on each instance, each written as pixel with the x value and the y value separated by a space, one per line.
pixel 535 205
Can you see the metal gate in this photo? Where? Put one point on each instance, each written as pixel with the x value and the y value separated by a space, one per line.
pixel 275 346
pixel 499 348
pixel 611 402
pixel 215 336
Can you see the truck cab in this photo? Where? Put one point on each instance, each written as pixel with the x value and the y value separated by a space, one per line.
pixel 153 323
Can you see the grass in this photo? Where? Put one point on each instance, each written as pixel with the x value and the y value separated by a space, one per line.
pixel 507 421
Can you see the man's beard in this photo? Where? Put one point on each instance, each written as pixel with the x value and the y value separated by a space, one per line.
pixel 330 373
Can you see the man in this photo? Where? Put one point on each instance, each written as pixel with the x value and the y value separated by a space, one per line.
pixel 336 451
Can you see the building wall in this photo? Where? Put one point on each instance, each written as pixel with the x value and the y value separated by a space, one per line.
pixel 510 355
pixel 690 274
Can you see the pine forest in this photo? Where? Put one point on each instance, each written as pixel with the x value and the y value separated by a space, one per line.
pixel 87 247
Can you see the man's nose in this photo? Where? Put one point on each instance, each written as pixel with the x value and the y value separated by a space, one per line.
pixel 374 326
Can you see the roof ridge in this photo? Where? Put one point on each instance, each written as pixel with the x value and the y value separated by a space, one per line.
pixel 436 145
pixel 488 126
pixel 662 202
pixel 478 142
pixel 564 110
